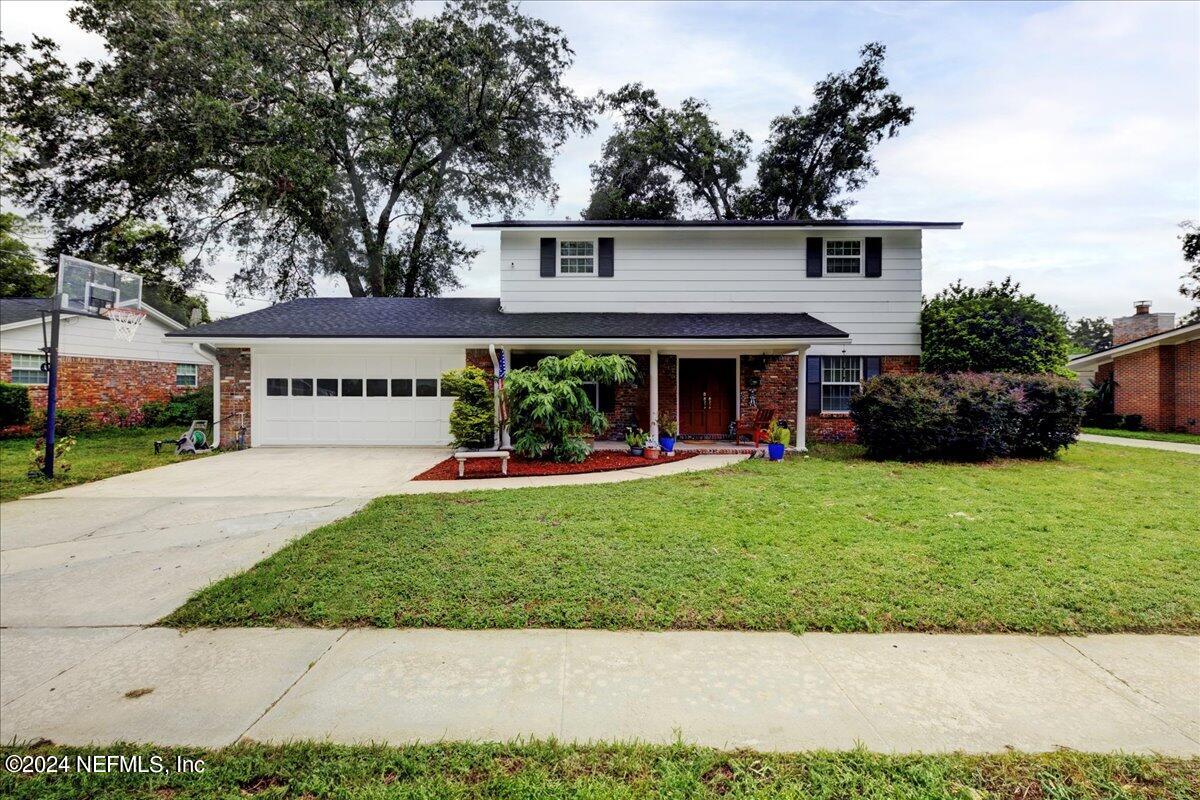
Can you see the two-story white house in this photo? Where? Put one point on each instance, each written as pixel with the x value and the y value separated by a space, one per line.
pixel 723 319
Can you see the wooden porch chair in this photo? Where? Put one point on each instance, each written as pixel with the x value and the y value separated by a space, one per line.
pixel 755 428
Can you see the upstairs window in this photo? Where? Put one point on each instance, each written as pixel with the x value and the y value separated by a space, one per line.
pixel 27 370
pixel 841 379
pixel 576 257
pixel 843 256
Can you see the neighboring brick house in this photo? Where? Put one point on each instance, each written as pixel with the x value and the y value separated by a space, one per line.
pixel 722 318
pixel 95 369
pixel 1155 368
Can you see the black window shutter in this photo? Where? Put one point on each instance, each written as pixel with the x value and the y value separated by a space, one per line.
pixel 606 257
pixel 871 367
pixel 549 265
pixel 814 256
pixel 812 377
pixel 608 398
pixel 874 257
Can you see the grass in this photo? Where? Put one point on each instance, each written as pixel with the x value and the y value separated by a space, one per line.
pixel 95 456
pixel 1185 438
pixel 1099 540
pixel 600 772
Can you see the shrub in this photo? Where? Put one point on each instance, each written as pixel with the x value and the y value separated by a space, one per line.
pixel 472 421
pixel 180 409
pixel 62 446
pixel 1132 422
pixel 967 416
pixel 14 404
pixel 993 329
pixel 549 409
pixel 68 421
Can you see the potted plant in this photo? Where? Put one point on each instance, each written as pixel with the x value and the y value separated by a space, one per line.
pixel 668 431
pixel 778 438
pixel 636 439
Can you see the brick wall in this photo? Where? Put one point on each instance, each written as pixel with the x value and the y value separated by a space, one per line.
pixel 776 387
pixel 235 389
pixel 91 382
pixel 839 427
pixel 900 365
pixel 1187 386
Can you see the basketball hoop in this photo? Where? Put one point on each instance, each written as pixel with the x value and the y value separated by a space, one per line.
pixel 126 321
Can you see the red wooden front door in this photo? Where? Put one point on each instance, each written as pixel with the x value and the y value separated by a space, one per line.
pixel 706 395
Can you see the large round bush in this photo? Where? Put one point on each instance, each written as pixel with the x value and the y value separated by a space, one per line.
pixel 967 416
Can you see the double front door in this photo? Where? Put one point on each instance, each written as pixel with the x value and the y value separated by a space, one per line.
pixel 707 399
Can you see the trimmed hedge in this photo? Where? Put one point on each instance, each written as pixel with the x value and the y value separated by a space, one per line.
pixel 180 409
pixel 14 404
pixel 967 416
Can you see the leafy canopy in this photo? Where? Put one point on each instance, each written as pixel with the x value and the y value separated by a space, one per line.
pixel 1090 333
pixel 662 161
pixel 992 329
pixel 549 409
pixel 1190 288
pixel 315 138
pixel 20 273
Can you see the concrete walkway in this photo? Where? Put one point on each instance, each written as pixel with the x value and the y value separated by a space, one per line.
pixel 776 691
pixel 1178 447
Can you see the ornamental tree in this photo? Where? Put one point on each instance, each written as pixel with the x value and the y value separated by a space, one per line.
pixel 992 329
pixel 473 418
pixel 549 409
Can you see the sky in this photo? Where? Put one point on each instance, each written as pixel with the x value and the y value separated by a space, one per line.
pixel 1065 136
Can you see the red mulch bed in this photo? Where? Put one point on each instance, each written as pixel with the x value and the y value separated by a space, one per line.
pixel 599 461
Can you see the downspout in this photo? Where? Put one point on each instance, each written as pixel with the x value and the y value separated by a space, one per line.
pixel 216 367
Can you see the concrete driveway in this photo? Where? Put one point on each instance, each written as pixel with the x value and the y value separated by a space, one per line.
pixel 130 549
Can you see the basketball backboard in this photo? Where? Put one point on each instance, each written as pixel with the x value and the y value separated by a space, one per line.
pixel 91 288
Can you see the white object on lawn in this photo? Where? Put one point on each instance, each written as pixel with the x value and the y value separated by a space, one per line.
pixel 462 455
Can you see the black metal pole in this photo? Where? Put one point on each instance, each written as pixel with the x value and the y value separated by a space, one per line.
pixel 52 387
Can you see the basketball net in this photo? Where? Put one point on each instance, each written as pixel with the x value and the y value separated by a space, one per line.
pixel 126 322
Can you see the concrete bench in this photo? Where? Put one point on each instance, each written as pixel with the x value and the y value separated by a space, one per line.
pixel 462 456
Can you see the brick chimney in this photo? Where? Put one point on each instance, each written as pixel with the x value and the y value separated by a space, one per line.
pixel 1142 323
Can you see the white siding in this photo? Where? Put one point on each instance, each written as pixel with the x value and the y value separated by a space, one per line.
pixel 664 271
pixel 93 338
pixel 287 420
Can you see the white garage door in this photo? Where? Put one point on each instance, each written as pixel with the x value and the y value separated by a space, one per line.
pixel 355 396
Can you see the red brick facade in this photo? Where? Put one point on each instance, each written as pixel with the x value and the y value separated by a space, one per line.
pixel 839 427
pixel 1162 384
pixel 235 391
pixel 95 382
pixel 769 382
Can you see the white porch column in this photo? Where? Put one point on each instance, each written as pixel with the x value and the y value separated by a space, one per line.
pixel 654 397
pixel 801 399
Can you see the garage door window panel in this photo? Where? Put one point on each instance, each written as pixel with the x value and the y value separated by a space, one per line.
pixel 352 387
pixel 277 387
pixel 377 387
pixel 427 387
pixel 302 387
pixel 327 387
pixel 402 387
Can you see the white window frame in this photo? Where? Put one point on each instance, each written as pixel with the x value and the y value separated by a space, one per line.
pixel 195 376
pixel 558 257
pixel 862 371
pixel 862 256
pixel 34 364
pixel 593 392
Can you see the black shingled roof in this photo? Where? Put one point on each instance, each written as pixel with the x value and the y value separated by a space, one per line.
pixel 714 223
pixel 481 317
pixel 20 309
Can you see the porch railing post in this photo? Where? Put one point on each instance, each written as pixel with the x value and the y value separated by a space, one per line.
pixel 801 400
pixel 654 397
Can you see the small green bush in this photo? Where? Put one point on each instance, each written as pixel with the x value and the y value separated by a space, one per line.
pixel 180 409
pixel 967 416
pixel 68 421
pixel 473 418
pixel 14 404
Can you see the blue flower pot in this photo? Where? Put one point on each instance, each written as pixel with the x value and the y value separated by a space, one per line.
pixel 668 444
pixel 637 451
pixel 775 451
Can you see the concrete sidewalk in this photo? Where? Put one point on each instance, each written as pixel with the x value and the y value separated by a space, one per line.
pixel 775 691
pixel 1150 444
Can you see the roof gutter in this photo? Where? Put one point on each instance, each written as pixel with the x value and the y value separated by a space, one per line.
pixel 483 342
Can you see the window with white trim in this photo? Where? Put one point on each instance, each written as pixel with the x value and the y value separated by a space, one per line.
pixel 576 257
pixel 27 369
pixel 186 374
pixel 592 390
pixel 841 380
pixel 843 256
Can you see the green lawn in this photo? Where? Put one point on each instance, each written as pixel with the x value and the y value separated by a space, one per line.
pixel 1186 438
pixel 600 772
pixel 95 456
pixel 1099 540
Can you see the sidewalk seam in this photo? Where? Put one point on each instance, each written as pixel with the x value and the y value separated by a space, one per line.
pixel 89 657
pixel 291 685
pixel 842 689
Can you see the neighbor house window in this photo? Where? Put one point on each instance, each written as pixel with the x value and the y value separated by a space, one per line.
pixel 27 369
pixel 576 257
pixel 843 256
pixel 186 374
pixel 841 379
